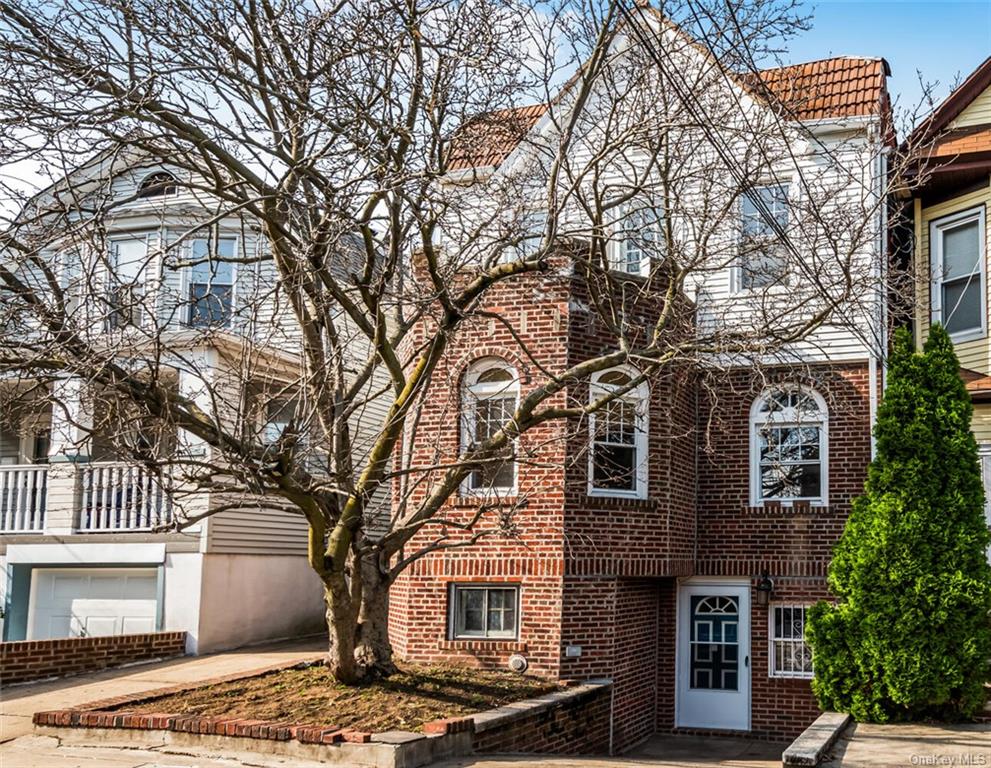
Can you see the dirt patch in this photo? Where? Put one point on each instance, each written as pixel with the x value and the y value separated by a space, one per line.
pixel 405 701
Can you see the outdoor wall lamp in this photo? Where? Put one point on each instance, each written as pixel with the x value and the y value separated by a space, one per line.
pixel 765 586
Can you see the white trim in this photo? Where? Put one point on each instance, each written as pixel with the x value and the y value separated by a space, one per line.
pixel 452 603
pixel 72 554
pixel 640 397
pixel 472 390
pixel 756 499
pixel 771 639
pixel 936 228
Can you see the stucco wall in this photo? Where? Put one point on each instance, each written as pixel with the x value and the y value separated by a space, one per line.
pixel 250 598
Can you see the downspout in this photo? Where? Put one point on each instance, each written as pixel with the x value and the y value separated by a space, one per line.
pixel 877 365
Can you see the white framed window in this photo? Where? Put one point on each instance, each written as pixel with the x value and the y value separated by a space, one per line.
pixel 635 237
pixel 210 291
pixel 617 457
pixel 533 227
pixel 158 184
pixel 279 414
pixel 789 447
pixel 491 397
pixel 763 255
pixel 483 611
pixel 958 295
pixel 789 654
pixel 129 257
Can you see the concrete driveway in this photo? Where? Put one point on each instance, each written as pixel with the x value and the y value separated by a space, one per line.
pixel 19 702
pixel 863 744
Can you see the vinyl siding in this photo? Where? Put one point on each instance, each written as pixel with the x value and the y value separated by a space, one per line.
pixel 974 354
pixel 980 424
pixel 978 112
pixel 257 531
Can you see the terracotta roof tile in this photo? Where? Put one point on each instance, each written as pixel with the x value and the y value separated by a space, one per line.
pixel 831 88
pixel 490 138
pixel 841 87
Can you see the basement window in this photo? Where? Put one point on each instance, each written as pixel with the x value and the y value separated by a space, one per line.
pixel 483 612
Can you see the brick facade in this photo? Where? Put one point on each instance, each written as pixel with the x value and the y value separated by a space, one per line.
pixel 37 659
pixel 602 574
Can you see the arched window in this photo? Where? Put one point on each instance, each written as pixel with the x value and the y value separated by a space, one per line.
pixel 788 446
pixel 157 184
pixel 617 462
pixel 491 396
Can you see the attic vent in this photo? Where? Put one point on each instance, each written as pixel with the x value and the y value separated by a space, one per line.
pixel 157 184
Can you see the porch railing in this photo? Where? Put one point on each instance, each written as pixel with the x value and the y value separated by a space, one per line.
pixel 118 497
pixel 23 494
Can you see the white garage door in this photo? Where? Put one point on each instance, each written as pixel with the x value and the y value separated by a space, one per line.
pixel 86 602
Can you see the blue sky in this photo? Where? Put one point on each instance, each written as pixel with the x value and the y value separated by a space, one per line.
pixel 938 39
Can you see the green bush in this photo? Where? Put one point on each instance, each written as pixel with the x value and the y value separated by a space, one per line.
pixel 909 637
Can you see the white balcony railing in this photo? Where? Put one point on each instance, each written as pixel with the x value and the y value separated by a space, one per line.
pixel 23 491
pixel 118 497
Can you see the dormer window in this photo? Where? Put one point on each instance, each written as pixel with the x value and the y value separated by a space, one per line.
pixel 157 184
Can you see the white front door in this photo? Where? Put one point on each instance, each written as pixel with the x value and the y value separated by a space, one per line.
pixel 87 602
pixel 714 656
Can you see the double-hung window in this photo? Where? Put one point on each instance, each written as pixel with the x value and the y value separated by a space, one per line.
pixel 790 655
pixel 211 282
pixel 958 292
pixel 788 447
pixel 490 612
pixel 618 452
pixel 491 396
pixel 763 227
pixel 129 263
pixel 534 227
pixel 635 239
pixel 278 416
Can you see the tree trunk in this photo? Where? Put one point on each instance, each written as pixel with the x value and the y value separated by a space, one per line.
pixel 359 648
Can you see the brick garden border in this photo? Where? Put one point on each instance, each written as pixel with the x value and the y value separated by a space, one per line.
pixel 574 719
pixel 22 661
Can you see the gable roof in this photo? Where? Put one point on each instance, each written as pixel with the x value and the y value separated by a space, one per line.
pixel 840 87
pixel 962 96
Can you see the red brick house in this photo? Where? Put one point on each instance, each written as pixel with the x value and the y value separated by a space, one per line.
pixel 655 577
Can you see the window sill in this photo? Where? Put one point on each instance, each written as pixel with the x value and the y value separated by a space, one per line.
pixel 505 645
pixel 471 498
pixel 961 337
pixel 803 678
pixel 791 508
pixel 604 502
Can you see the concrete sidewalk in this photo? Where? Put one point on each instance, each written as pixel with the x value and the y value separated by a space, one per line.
pixel 912 744
pixel 19 702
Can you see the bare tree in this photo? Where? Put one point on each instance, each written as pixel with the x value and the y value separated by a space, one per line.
pixel 350 145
